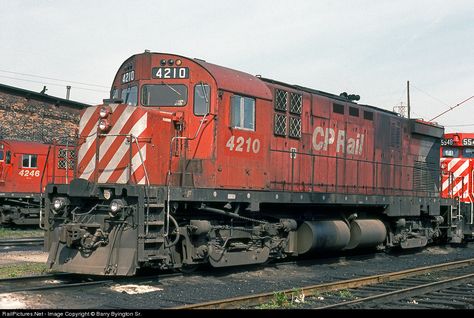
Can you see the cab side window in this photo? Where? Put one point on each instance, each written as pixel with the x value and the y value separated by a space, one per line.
pixel 1 155
pixel 242 112
pixel 8 157
pixel 30 161
pixel 202 94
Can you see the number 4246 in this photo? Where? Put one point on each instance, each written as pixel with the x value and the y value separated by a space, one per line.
pixel 29 173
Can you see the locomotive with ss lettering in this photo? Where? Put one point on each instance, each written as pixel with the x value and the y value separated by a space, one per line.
pixel 25 169
pixel 189 162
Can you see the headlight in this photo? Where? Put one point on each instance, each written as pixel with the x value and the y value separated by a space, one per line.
pixel 115 206
pixel 59 203
pixel 104 125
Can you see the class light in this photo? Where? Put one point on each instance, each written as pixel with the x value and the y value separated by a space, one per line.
pixel 170 62
pixel 178 62
pixel 163 62
pixel 104 112
pixel 104 125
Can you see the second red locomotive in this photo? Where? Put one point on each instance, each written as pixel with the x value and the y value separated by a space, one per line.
pixel 25 169
pixel 191 162
pixel 457 181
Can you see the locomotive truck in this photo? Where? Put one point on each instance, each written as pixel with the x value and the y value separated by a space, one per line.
pixel 189 162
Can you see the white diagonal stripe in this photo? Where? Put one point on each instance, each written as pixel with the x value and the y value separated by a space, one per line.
pixel 136 163
pixel 86 173
pixel 90 140
pixel 85 147
pixel 452 163
pixel 455 175
pixel 136 131
pixel 142 181
pixel 86 117
pixel 118 125
pixel 108 140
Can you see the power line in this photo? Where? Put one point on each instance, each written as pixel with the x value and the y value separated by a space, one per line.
pixel 451 108
pixel 435 98
pixel 54 79
pixel 53 84
pixel 463 125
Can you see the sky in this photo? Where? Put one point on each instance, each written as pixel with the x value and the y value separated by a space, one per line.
pixel 370 48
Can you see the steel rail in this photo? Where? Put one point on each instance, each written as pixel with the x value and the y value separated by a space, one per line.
pixel 254 300
pixel 57 286
pixel 22 241
pixel 404 293
pixel 4 288
pixel 34 277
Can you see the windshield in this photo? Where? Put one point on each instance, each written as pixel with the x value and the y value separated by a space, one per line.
pixel 164 95
pixel 129 95
pixel 468 152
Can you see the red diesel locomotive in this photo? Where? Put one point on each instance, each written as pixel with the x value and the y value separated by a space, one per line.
pixel 457 181
pixel 191 162
pixel 25 169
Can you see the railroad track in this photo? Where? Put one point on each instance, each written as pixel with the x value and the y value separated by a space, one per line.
pixel 426 292
pixel 45 282
pixel 21 242
pixel 68 280
pixel 349 286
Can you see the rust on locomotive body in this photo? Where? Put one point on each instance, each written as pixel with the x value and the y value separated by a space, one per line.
pixel 189 162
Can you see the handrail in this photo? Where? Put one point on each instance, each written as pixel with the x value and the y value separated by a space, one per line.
pixel 168 181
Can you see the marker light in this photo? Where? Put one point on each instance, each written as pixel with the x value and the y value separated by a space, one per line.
pixel 170 62
pixel 178 62
pixel 163 62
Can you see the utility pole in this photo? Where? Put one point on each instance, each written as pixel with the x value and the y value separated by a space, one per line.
pixel 408 98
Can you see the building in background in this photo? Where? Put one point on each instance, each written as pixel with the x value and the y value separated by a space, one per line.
pixel 36 116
